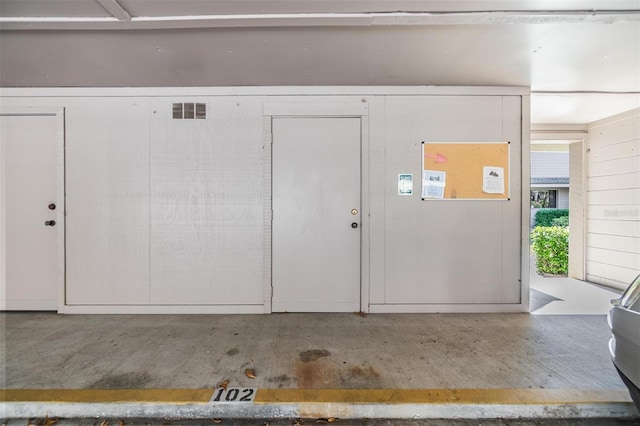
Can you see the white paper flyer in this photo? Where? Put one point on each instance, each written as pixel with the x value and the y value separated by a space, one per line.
pixel 433 183
pixel 493 180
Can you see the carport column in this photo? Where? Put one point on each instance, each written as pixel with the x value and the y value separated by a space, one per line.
pixel 577 210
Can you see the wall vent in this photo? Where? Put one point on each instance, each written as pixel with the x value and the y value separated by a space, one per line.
pixel 189 110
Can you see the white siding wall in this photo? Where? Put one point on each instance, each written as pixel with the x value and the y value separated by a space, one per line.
pixel 549 164
pixel 613 200
pixel 562 201
pixel 171 215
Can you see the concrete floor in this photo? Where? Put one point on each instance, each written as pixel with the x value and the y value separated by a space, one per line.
pixel 568 296
pixel 340 422
pixel 520 351
pixel 319 351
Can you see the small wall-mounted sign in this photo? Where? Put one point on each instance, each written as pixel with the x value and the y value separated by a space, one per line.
pixel 405 184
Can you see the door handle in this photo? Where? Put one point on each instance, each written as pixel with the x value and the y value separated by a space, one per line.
pixel 354 225
pixel 52 206
pixel 50 223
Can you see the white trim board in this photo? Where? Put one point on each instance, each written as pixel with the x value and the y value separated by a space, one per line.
pixel 162 309
pixel 266 91
pixel 121 20
pixel 449 308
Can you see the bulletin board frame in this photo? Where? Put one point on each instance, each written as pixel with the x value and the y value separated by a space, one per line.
pixel 466 171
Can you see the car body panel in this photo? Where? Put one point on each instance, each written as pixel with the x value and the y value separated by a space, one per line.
pixel 624 346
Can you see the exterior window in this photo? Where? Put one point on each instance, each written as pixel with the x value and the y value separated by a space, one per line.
pixel 544 199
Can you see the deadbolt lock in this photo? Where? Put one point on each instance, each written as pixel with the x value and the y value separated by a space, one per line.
pixel 354 212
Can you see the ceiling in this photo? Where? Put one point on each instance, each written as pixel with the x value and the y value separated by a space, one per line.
pixel 580 58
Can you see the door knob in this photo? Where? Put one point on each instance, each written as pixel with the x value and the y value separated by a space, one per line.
pixel 52 206
pixel 354 225
pixel 50 223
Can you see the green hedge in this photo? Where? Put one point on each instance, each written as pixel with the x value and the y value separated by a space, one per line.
pixel 544 217
pixel 551 246
pixel 560 221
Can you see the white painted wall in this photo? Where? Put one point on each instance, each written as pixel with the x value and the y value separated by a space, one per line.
pixel 107 199
pixel 450 252
pixel 206 199
pixel 613 200
pixel 171 215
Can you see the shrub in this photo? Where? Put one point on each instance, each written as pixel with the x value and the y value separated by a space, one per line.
pixel 560 221
pixel 545 216
pixel 551 246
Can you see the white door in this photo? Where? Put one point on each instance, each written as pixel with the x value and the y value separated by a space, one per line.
pixel 31 212
pixel 316 215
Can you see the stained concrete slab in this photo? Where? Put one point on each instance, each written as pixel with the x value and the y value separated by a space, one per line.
pixel 347 351
pixel 339 422
pixel 562 346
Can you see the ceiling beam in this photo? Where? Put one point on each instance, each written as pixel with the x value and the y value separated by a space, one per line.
pixel 123 21
pixel 115 9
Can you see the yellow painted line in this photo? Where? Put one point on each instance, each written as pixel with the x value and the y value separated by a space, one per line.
pixel 347 396
pixel 440 396
pixel 177 396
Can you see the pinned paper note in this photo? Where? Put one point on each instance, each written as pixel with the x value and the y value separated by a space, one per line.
pixel 493 180
pixel 433 183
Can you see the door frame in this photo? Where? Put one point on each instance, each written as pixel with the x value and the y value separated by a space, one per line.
pixel 348 109
pixel 58 113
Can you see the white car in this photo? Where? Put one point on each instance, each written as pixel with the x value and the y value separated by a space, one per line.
pixel 624 321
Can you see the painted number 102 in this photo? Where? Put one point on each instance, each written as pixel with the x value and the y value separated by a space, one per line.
pixel 234 395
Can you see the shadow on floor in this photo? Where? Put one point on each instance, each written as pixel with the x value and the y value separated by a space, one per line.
pixel 539 300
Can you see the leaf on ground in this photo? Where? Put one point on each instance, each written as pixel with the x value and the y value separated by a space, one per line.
pixel 250 373
pixel 50 422
pixel 217 421
pixel 360 314
pixel 327 420
pixel 223 384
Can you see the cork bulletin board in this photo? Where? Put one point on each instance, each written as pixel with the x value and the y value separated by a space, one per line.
pixel 465 170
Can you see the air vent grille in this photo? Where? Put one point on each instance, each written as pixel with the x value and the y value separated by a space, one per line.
pixel 189 111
